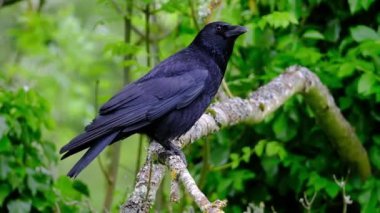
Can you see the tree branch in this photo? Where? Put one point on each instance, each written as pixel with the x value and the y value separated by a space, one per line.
pixel 4 3
pixel 254 109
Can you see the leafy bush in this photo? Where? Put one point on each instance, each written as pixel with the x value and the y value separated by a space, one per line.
pixel 27 162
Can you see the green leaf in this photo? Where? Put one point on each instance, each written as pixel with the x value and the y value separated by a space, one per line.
pixel 345 103
pixel 5 189
pixel 272 148
pixel 239 177
pixel 4 167
pixel 346 69
pixel 32 184
pixel 275 148
pixel 317 182
pixel 369 198
pixel 283 128
pixel 332 189
pixel 235 160
pixel 313 34
pixel 314 2
pixel 270 166
pixel 361 33
pixel 220 151
pixel 19 206
pixel 246 154
pixel 5 144
pixel 376 139
pixel 354 5
pixel 81 187
pixel 71 189
pixel 17 176
pixel 129 63
pixel 278 20
pixel 332 33
pixel 37 181
pixel 120 48
pixel 50 151
pixel 280 127
pixel 308 56
pixel 369 48
pixel 374 155
pixel 364 66
pixel 224 185
pixel 365 84
pixel 3 127
pixel 259 148
pixel 40 203
pixel 366 3
pixel 377 93
pixel 375 114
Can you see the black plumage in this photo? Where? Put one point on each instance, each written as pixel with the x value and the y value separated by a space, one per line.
pixel 166 102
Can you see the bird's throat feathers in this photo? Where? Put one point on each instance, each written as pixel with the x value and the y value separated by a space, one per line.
pixel 219 51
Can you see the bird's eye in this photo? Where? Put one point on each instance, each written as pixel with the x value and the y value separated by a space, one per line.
pixel 219 28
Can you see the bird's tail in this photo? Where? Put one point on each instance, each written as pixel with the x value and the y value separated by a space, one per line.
pixel 91 153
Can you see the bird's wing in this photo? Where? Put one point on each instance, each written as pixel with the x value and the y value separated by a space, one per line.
pixel 150 99
pixel 146 102
pixel 129 94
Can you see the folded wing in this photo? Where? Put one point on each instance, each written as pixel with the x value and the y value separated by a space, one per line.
pixel 138 105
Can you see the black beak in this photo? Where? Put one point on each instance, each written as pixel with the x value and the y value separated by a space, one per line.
pixel 235 31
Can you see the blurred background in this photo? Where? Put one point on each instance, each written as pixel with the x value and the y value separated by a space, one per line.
pixel 60 60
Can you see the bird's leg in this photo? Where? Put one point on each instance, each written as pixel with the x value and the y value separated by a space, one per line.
pixel 172 149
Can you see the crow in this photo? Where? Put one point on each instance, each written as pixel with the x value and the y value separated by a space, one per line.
pixel 166 102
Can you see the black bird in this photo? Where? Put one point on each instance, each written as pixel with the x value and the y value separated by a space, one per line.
pixel 166 102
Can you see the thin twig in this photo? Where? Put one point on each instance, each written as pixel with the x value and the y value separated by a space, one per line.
pixel 41 4
pixel 96 96
pixel 306 203
pixel 206 165
pixel 345 198
pixel 147 34
pixel 96 108
pixel 226 88
pixel 194 15
pixel 139 153
pixel 118 9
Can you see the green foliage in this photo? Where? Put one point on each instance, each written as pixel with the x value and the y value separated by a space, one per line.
pixel 26 160
pixel 369 197
pixel 290 155
pixel 358 5
pixel 361 33
pixel 278 20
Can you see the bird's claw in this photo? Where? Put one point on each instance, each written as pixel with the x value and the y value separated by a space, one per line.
pixel 181 155
pixel 172 150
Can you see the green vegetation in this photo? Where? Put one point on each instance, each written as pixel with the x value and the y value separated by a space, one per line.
pixel 52 56
pixel 27 162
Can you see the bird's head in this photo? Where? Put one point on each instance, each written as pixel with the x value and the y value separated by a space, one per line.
pixel 218 39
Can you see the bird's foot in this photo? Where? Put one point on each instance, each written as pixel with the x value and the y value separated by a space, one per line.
pixel 172 150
